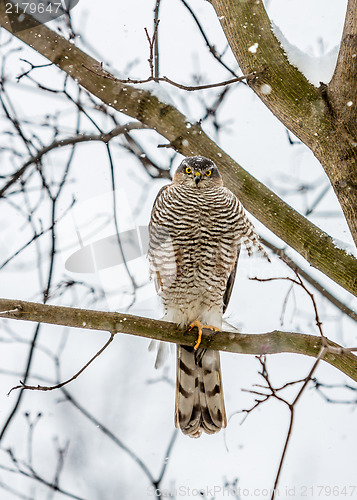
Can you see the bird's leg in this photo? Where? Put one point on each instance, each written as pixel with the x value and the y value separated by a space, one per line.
pixel 200 327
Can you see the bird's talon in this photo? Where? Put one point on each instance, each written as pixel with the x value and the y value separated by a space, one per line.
pixel 198 341
pixel 200 327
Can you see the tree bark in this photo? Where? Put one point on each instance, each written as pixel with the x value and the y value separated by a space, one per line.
pixel 320 117
pixel 342 96
pixel 242 343
pixel 314 245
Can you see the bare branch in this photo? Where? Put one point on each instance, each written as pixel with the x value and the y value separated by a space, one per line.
pixel 62 384
pixel 272 392
pixel 156 42
pixel 212 49
pixel 53 196
pixel 105 137
pixel 291 422
pixel 298 281
pixel 145 469
pixel 30 473
pixel 320 385
pixel 190 88
pixel 342 88
pixel 264 343
pixel 322 290
pixel 152 44
pixel 283 88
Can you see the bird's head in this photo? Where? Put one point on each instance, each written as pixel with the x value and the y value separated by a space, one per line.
pixel 197 171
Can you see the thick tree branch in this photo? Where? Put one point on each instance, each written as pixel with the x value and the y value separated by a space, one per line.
pixel 307 239
pixel 342 89
pixel 264 343
pixel 283 88
pixel 325 118
pixel 341 148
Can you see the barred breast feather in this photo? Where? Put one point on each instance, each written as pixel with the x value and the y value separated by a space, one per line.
pixel 194 239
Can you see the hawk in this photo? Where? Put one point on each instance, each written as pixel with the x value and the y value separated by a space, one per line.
pixel 196 230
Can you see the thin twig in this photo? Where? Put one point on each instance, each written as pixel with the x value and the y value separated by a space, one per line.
pixel 318 385
pixel 291 422
pixel 62 384
pixel 325 348
pixel 152 42
pixel 212 49
pixel 32 67
pixel 31 474
pixel 299 282
pixel 321 289
pixel 79 138
pixel 156 42
pixel 166 457
pixel 109 434
pixel 189 88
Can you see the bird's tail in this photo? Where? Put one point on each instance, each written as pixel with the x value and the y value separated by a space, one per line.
pixel 199 392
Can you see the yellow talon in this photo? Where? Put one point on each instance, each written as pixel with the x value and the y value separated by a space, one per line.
pixel 198 341
pixel 200 327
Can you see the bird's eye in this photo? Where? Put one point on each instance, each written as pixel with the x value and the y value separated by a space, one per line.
pixel 188 170
pixel 208 173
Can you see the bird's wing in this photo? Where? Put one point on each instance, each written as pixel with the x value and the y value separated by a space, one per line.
pixel 230 283
pixel 157 236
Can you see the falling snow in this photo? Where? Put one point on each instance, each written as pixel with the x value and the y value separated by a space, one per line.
pixel 253 48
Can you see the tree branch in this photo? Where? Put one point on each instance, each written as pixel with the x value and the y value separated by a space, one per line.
pixel 283 88
pixel 264 343
pixel 323 118
pixel 188 88
pixel 320 288
pixel 105 137
pixel 341 96
pixel 315 245
pixel 62 384
pixel 342 89
pixel 212 48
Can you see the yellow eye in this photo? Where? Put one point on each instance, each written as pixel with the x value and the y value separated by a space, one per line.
pixel 208 173
pixel 188 170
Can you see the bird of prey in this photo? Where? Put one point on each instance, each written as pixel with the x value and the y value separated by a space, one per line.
pixel 197 228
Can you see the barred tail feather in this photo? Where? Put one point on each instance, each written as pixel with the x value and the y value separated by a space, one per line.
pixel 199 393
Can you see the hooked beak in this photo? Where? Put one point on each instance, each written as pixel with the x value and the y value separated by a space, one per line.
pixel 197 177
